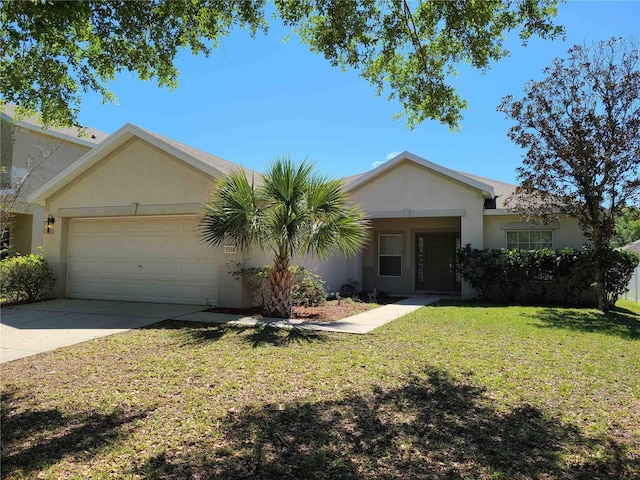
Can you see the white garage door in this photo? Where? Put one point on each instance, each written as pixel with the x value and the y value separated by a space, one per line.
pixel 151 259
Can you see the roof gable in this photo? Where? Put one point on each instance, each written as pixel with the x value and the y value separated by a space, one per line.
pixel 356 181
pixel 209 164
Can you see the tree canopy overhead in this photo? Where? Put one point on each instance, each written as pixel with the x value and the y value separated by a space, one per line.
pixel 52 52
pixel 580 128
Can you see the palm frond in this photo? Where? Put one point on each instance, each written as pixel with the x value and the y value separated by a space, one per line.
pixel 233 213
pixel 345 229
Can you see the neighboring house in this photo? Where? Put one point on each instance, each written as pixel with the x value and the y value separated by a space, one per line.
pixel 126 225
pixel 633 293
pixel 33 155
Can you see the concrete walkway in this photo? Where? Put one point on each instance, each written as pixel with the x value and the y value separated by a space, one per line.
pixel 358 324
pixel 40 327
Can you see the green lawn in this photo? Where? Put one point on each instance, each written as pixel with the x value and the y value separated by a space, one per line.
pixel 453 391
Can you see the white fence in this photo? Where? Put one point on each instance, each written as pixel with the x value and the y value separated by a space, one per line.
pixel 634 286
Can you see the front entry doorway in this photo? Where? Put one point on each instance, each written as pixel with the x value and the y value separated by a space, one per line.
pixel 436 261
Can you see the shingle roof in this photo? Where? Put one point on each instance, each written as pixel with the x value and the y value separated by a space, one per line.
pixel 501 189
pixel 349 180
pixel 225 166
pixel 633 247
pixel 85 135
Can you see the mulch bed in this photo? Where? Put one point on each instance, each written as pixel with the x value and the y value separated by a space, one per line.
pixel 330 311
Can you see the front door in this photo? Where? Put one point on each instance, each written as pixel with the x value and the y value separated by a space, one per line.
pixel 436 262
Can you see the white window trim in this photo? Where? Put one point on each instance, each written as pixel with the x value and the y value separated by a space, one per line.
pixel 386 255
pixel 553 235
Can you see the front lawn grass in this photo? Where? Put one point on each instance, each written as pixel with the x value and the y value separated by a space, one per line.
pixel 450 391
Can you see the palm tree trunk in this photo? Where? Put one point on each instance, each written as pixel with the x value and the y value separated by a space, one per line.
pixel 280 304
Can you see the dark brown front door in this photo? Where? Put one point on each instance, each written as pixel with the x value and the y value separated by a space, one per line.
pixel 435 261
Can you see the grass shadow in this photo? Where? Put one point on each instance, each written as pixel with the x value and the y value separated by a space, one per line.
pixel 54 434
pixel 196 333
pixel 281 337
pixel 202 334
pixel 431 427
pixel 618 322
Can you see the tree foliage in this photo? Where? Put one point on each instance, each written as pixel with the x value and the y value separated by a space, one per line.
pixel 580 128
pixel 291 212
pixel 54 51
pixel 627 227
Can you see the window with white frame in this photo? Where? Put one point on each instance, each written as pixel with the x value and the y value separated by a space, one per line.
pixel 529 239
pixel 390 255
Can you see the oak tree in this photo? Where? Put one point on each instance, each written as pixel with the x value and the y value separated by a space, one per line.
pixel 580 128
pixel 53 51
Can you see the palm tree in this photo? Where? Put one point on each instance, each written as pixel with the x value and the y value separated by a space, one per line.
pixel 291 212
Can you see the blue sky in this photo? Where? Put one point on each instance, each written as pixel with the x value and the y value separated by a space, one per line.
pixel 253 100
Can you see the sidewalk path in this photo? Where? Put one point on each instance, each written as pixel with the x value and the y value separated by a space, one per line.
pixel 359 324
pixel 39 327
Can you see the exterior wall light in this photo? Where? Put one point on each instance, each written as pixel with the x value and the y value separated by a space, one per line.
pixel 48 225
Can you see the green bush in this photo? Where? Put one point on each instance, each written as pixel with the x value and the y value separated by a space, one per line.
pixel 543 276
pixel 620 267
pixel 25 278
pixel 255 281
pixel 480 268
pixel 350 289
pixel 574 274
pixel 308 287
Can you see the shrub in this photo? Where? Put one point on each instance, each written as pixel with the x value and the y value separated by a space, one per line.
pixel 308 287
pixel 480 268
pixel 25 278
pixel 620 265
pixel 350 289
pixel 574 274
pixel 543 276
pixel 254 279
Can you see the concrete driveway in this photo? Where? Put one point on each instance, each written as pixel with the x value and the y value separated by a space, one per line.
pixel 39 327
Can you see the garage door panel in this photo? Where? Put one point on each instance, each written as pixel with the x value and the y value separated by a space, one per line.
pixel 169 227
pixel 169 270
pixel 151 226
pixel 156 247
pixel 141 259
pixel 208 271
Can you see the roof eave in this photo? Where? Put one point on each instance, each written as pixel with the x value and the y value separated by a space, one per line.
pixel 50 133
pixel 487 190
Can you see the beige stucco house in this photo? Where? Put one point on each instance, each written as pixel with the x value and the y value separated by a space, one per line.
pixel 34 155
pixel 126 217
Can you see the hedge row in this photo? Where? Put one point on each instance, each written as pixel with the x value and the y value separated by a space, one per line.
pixel 543 277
